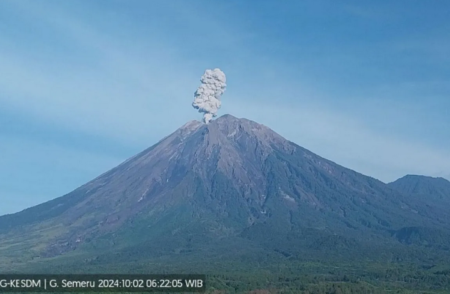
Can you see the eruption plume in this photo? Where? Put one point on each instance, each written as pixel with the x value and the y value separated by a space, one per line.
pixel 207 96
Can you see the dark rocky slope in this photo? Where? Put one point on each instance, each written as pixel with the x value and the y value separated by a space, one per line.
pixel 230 186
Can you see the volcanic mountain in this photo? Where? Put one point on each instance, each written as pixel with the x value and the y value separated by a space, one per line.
pixel 231 188
pixel 436 188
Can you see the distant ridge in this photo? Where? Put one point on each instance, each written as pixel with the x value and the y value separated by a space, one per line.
pixel 423 185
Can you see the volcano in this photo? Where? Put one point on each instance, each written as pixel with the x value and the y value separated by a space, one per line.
pixel 230 190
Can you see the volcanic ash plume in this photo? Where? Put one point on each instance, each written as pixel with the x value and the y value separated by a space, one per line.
pixel 207 96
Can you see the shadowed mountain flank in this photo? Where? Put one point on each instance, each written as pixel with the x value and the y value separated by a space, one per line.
pixel 232 186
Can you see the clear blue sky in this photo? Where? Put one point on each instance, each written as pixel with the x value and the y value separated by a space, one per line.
pixel 86 84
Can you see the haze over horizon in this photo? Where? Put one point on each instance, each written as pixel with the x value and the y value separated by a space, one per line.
pixel 84 86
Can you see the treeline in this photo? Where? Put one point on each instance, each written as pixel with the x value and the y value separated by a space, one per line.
pixel 392 281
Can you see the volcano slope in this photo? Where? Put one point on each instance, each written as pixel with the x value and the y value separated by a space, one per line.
pixel 226 193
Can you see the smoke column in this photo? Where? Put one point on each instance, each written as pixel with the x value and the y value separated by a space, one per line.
pixel 207 96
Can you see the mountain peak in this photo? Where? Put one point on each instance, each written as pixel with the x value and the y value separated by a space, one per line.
pixel 423 185
pixel 230 178
pixel 421 178
pixel 230 121
pixel 234 128
pixel 228 117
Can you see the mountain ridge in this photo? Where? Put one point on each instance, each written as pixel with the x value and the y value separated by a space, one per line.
pixel 231 181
